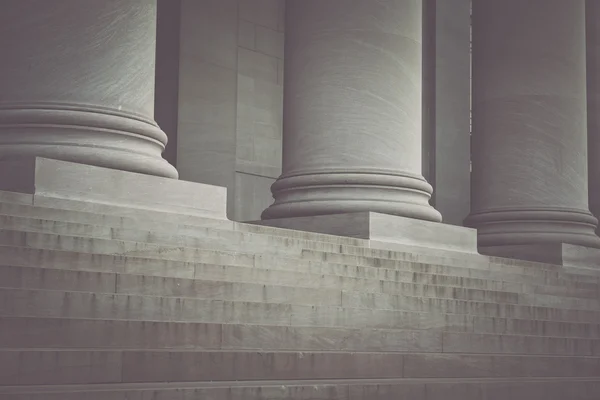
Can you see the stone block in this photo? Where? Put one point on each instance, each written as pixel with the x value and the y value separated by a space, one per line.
pixel 385 228
pixel 257 65
pixel 261 12
pixel 46 178
pixel 583 259
pixel 269 42
pixel 189 391
pixel 59 333
pixel 148 366
pixel 246 34
pixel 55 367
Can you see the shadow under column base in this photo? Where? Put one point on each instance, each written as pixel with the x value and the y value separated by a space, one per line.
pixel 564 254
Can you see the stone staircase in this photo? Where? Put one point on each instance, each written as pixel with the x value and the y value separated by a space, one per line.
pixel 111 303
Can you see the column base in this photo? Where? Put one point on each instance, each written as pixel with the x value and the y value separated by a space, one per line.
pixel 52 182
pixel 327 192
pixel 564 254
pixel 384 228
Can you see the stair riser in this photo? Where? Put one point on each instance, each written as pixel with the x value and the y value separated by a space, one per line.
pixel 102 334
pixel 555 389
pixel 54 304
pixel 86 367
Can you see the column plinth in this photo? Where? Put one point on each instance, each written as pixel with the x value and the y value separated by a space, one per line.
pixel 352 111
pixel 77 84
pixel 529 154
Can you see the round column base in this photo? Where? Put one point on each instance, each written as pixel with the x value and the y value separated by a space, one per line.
pixel 534 226
pixel 334 192
pixel 86 135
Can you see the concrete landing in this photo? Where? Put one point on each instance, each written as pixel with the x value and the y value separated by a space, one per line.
pixel 50 183
pixel 385 228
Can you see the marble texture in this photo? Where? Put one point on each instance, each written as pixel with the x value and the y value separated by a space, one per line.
pixel 529 180
pixel 78 84
pixel 352 110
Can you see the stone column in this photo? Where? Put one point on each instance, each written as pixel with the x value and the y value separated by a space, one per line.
pixel 592 11
pixel 529 181
pixel 77 83
pixel 352 110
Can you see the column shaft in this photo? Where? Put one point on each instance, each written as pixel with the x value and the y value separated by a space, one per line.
pixel 77 83
pixel 592 10
pixel 529 181
pixel 352 110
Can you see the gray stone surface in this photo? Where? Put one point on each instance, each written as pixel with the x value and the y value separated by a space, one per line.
pixel 385 228
pixel 77 84
pixel 592 13
pixel 119 304
pixel 48 180
pixel 557 253
pixel 447 106
pixel 231 99
pixel 352 139
pixel 206 136
pixel 529 181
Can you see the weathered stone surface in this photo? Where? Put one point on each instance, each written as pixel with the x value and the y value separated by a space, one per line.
pixel 334 109
pixel 70 91
pixel 530 181
pixel 127 301
pixel 385 228
pixel 56 180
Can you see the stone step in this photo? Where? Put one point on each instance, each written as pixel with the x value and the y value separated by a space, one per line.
pixel 371 293
pixel 136 249
pixel 62 333
pixel 242 242
pixel 112 216
pixel 416 271
pixel 219 286
pixel 233 273
pixel 63 367
pixel 353 246
pixel 358 389
pixel 278 293
pixel 81 305
pixel 94 282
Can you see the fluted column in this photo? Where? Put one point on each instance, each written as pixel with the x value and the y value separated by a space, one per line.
pixel 529 180
pixel 592 10
pixel 77 83
pixel 352 110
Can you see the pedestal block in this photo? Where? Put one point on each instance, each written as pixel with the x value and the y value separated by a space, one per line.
pixel 352 111
pixel 383 230
pixel 62 184
pixel 77 83
pixel 529 180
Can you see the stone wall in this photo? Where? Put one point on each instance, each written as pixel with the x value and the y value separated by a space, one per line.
pixel 230 99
